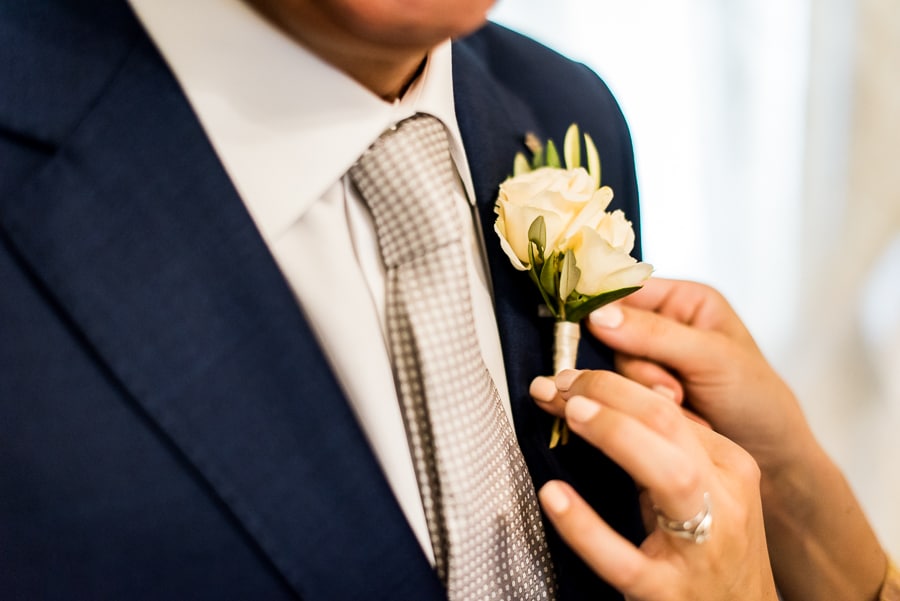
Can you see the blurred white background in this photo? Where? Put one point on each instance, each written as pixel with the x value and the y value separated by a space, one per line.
pixel 767 136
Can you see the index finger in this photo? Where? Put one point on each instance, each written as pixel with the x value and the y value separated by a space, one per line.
pixel 607 552
pixel 649 335
pixel 689 303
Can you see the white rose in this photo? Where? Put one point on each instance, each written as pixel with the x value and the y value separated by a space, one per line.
pixel 566 198
pixel 602 254
pixel 617 231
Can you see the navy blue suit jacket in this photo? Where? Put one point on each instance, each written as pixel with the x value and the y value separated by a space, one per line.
pixel 169 428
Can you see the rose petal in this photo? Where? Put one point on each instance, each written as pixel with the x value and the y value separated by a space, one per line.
pixel 617 230
pixel 590 216
pixel 603 267
pixel 504 244
pixel 514 221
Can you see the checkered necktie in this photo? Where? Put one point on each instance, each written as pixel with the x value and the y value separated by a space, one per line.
pixel 479 501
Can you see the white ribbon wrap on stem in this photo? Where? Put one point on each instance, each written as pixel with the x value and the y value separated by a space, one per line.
pixel 566 335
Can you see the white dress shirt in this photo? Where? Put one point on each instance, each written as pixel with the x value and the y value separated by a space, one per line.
pixel 287 127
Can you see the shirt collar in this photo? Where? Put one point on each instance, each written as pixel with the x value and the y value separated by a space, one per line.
pixel 285 124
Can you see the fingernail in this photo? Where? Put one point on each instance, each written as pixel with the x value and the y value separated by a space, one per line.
pixel 665 391
pixel 610 316
pixel 565 379
pixel 554 498
pixel 542 389
pixel 580 409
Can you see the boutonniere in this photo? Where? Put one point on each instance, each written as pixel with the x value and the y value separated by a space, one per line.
pixel 552 222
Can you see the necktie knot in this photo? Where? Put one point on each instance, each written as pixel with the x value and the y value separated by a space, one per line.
pixel 406 178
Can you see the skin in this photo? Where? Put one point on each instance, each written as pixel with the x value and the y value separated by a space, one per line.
pixel 380 43
pixel 675 461
pixel 684 338
pixel 383 44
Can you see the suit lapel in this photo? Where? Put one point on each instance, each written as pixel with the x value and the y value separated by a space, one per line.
pixel 484 104
pixel 135 231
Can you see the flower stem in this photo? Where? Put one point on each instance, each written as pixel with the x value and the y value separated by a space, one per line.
pixel 566 335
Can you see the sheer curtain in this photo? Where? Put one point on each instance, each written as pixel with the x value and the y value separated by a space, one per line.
pixel 766 136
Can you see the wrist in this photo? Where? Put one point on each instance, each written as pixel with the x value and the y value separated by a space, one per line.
pixel 791 463
pixel 820 542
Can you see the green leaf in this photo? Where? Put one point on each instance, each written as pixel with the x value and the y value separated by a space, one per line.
pixel 536 262
pixel 593 159
pixel 550 275
pixel 569 274
pixel 552 155
pixel 572 147
pixel 535 257
pixel 520 165
pixel 537 233
pixel 547 300
pixel 578 310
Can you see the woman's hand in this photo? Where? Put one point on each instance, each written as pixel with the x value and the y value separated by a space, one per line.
pixel 684 339
pixel 680 466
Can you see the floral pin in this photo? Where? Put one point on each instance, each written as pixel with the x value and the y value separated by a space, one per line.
pixel 552 222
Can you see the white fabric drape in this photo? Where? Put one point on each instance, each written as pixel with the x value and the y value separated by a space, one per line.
pixel 767 136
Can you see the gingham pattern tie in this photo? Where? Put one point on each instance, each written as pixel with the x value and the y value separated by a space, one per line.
pixel 482 514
